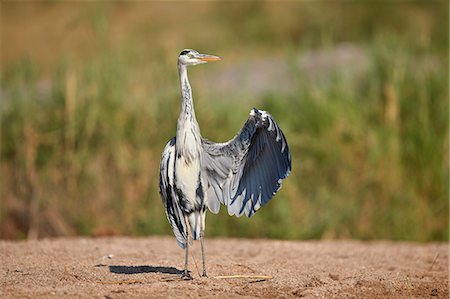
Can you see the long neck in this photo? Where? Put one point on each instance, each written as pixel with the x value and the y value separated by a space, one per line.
pixel 188 131
pixel 187 104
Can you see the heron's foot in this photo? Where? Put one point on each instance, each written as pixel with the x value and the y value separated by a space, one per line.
pixel 186 275
pixel 204 274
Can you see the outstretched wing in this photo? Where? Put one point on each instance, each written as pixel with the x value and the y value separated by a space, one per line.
pixel 168 195
pixel 246 172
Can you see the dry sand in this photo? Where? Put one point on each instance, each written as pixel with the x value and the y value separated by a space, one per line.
pixel 120 267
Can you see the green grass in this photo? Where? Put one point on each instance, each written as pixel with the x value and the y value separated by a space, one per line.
pixel 82 136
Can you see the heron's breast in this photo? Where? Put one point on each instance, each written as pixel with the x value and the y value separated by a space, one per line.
pixel 189 183
pixel 187 172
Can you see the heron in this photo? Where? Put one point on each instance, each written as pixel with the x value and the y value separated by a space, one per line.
pixel 197 174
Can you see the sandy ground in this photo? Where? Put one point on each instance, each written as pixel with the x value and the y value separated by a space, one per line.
pixel 150 267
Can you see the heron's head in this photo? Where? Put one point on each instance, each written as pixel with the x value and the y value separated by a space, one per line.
pixel 191 57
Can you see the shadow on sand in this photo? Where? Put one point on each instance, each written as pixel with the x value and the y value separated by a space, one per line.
pixel 144 269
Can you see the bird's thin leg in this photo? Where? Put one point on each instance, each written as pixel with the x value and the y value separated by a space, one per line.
pixel 186 275
pixel 202 237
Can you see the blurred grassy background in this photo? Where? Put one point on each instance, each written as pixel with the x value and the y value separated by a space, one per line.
pixel 90 95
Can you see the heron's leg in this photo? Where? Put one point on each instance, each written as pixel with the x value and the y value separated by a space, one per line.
pixel 186 275
pixel 202 237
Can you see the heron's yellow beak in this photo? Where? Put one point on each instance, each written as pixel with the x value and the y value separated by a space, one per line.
pixel 206 57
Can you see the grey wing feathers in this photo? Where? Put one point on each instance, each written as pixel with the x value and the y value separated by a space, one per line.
pixel 168 196
pixel 246 172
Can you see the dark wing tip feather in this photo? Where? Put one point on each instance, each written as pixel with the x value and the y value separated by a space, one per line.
pixel 277 159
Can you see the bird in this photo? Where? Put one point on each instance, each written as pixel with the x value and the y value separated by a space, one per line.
pixel 197 174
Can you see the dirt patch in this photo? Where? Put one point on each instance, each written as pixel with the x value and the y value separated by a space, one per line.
pixel 150 267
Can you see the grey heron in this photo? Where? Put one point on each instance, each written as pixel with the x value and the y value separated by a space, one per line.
pixel 195 173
